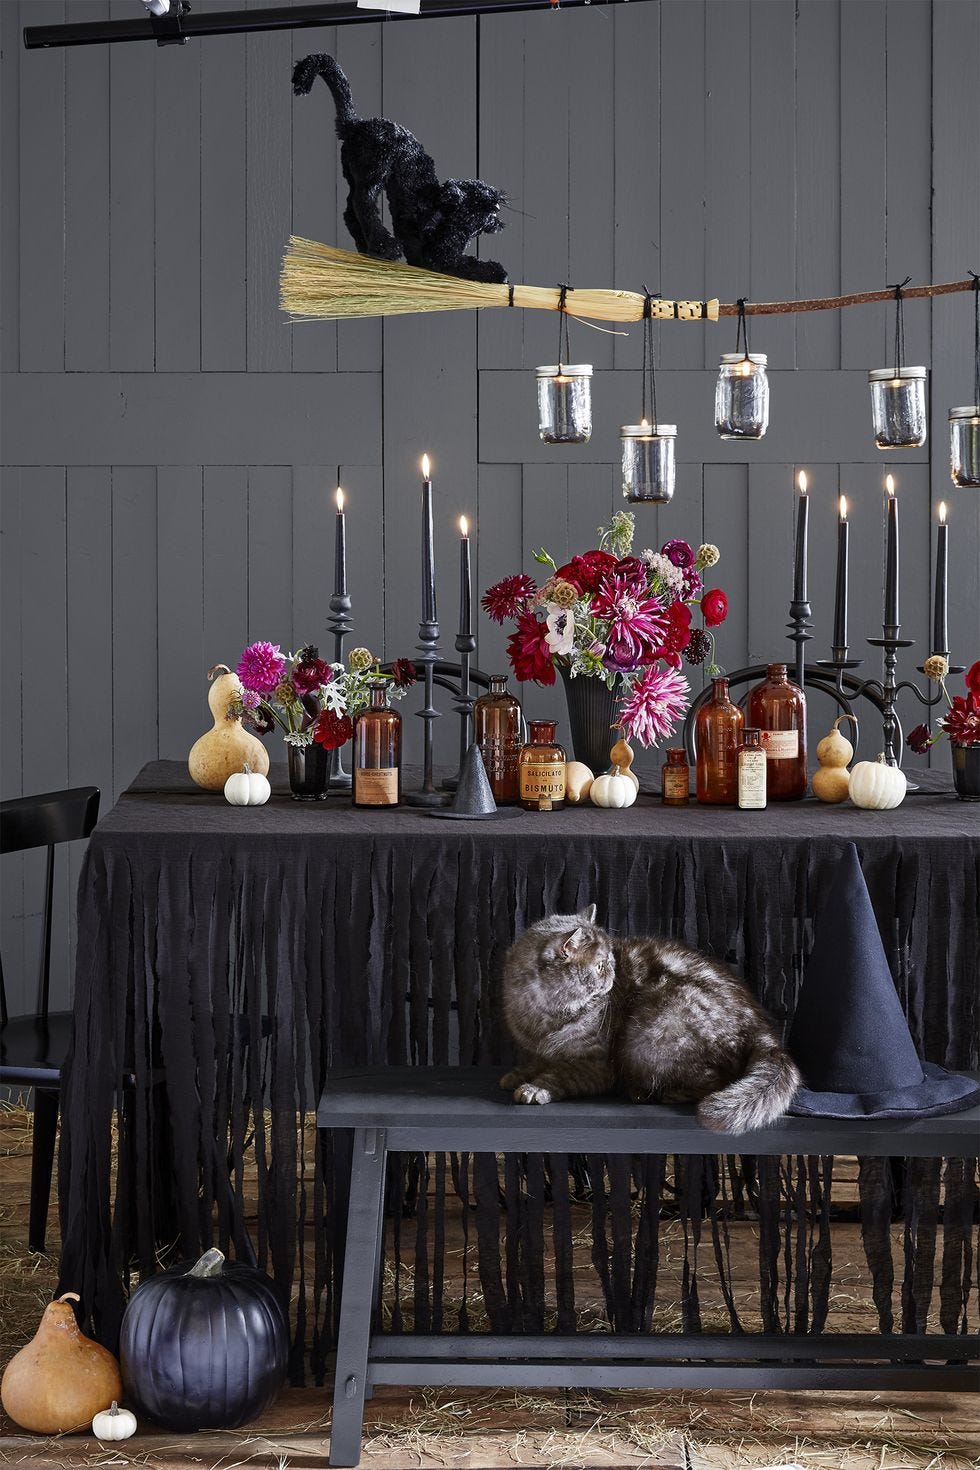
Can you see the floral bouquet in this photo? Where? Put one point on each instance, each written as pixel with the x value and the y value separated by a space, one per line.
pixel 309 699
pixel 624 619
pixel 961 722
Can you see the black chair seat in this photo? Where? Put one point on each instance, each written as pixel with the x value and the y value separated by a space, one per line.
pixel 33 1050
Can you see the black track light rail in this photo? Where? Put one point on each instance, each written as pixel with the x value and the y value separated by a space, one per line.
pixel 177 29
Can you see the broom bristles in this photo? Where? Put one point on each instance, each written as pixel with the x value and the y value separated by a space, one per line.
pixel 323 283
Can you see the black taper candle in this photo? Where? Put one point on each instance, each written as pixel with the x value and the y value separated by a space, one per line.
pixel 940 629
pixel 840 592
pixel 890 618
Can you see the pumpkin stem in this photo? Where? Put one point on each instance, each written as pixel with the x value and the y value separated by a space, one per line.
pixel 209 1264
pixel 218 669
pixel 114 1408
pixel 69 1296
pixel 246 768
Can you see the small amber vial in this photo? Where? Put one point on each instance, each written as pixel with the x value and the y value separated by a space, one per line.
pixel 675 778
pixel 541 769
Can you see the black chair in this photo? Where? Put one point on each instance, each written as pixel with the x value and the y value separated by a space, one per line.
pixel 33 1047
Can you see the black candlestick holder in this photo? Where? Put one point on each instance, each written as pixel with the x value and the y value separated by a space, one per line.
pixel 427 795
pixel 340 623
pixel 463 701
pixel 799 634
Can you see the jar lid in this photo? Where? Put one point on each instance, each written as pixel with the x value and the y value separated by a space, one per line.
pixel 883 375
pixel 647 431
pixel 728 359
pixel 969 411
pixel 565 370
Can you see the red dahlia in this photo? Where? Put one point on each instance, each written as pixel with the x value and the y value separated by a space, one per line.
pixel 311 674
pixel 332 730
pixel 528 652
pixel 586 572
pixel 509 597
pixel 404 673
pixel 962 722
pixel 678 634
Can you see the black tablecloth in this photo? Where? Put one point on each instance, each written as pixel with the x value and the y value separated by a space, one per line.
pixel 228 955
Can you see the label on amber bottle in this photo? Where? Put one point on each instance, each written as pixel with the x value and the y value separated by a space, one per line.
pixel 543 783
pixel 675 782
pixel 781 745
pixel 751 780
pixel 373 787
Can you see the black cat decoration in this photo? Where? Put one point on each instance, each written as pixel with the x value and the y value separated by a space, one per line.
pixel 431 222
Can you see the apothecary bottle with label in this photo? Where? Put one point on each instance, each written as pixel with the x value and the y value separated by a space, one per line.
pixel 778 708
pixel 497 731
pixel 377 752
pixel 751 771
pixel 717 737
pixel 541 768
pixel 675 777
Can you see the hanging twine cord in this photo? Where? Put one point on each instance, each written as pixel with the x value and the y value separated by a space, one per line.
pixel 899 324
pixel 976 340
pixel 742 332
pixel 563 290
pixel 649 367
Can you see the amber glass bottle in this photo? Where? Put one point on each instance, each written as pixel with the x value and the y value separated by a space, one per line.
pixel 778 707
pixel 675 777
pixel 541 768
pixel 717 737
pixel 497 731
pixel 377 752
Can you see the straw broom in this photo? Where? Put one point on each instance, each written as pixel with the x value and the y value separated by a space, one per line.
pixel 320 282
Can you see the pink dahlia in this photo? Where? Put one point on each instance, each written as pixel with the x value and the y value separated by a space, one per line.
pixel 509 597
pixel 261 667
pixel 636 622
pixel 656 704
pixel 528 651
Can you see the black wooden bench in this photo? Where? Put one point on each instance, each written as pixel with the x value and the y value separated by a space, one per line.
pixel 455 1110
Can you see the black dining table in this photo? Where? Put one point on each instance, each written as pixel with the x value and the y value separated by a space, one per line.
pixel 228 956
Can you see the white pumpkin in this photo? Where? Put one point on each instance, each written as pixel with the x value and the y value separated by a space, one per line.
pixel 877 786
pixel 247 788
pixel 613 790
pixel 114 1423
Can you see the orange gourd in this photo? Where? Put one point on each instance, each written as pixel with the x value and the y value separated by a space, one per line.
pixel 61 1379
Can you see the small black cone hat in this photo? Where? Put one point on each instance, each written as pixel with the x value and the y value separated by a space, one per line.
pixel 473 795
pixel 849 1037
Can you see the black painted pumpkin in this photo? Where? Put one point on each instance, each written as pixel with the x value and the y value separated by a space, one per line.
pixel 204 1346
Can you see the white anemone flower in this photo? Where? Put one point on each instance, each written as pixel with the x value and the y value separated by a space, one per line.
pixel 560 636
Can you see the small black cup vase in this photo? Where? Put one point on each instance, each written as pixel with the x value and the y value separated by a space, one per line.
pixel 592 710
pixel 309 771
pixel 966 771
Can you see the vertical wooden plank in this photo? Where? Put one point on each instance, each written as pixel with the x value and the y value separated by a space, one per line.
pixel 594 494
pixel 773 188
pixel 316 165
pixel 729 216
pixel 636 152
pixel 545 195
pixel 726 525
pixel 223 214
pixel 9 187
pixel 359 52
pixel 772 511
pixel 11 776
pixel 177 171
pixel 87 200
pixel 225 563
pixel 502 143
pixel 132 223
pixel 499 553
pixel 862 184
pixel 364 488
pixel 42 199
pixel 682 172
pixel 591 190
pixel 818 192
pixel 270 554
pixel 180 616
pixel 545 525
pixel 908 102
pixel 313 547
pixel 135 690
pixel 268 132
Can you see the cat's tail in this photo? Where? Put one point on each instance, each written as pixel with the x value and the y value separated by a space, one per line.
pixel 305 73
pixel 757 1098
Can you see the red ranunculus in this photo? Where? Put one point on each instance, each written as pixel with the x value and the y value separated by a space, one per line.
pixel 586 572
pixel 332 730
pixel 919 739
pixel 972 679
pixel 310 675
pixel 678 634
pixel 528 652
pixel 635 571
pixel 714 606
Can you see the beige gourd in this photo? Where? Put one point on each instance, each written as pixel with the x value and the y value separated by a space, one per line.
pixel 621 756
pixel 877 786
pixel 832 781
pixel 578 782
pixel 61 1379
pixel 228 747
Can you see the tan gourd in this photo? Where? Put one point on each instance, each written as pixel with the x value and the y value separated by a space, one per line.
pixel 229 746
pixel 578 782
pixel 61 1379
pixel 832 782
pixel 621 756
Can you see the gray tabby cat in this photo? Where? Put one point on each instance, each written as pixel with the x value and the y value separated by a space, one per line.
pixel 656 1018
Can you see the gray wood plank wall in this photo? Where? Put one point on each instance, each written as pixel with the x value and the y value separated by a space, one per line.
pixel 170 445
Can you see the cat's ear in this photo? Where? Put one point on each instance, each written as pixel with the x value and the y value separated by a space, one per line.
pixel 588 914
pixel 573 942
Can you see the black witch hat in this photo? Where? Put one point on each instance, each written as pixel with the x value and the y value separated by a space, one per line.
pixel 850 1038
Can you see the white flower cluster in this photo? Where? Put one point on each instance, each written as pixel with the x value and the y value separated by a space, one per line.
pixel 670 577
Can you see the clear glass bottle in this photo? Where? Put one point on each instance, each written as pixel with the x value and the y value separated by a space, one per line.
pixel 675 777
pixel 964 446
pixel 778 708
pixel 898 407
pixel 497 731
pixel 742 396
pixel 751 771
pixel 377 773
pixel 717 736
pixel 541 767
pixel 565 403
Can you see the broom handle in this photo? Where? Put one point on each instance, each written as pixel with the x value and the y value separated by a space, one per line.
pixel 609 306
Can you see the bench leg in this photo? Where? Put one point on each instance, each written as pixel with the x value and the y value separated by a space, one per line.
pixel 361 1268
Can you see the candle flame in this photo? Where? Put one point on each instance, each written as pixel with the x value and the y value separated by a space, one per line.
pixel 644 423
pixel 890 486
pixel 464 529
pixel 843 508
pixel 802 482
pixel 942 512
pixel 425 467
pixel 340 498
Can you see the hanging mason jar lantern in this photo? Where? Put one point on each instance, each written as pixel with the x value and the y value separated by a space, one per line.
pixel 742 391
pixel 898 394
pixel 964 423
pixel 564 391
pixel 648 448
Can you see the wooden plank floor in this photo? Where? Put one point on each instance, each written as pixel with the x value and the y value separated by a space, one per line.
pixel 480 1429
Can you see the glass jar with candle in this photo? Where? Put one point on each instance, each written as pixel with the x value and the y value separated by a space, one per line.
pixel 377 751
pixel 777 707
pixel 565 403
pixel 964 446
pixel 717 737
pixel 898 407
pixel 497 731
pixel 541 769
pixel 649 465
pixel 742 396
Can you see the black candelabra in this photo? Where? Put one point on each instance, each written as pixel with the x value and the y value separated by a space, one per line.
pixel 428 657
pixel 463 701
pixel 340 623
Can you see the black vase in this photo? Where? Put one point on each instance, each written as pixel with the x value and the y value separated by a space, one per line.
pixel 592 712
pixel 966 772
pixel 309 771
